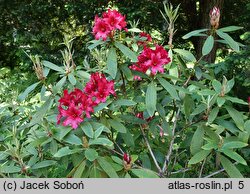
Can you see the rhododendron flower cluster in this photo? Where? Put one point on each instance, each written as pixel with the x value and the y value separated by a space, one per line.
pixel 153 60
pixel 145 35
pixel 75 105
pixel 99 88
pixel 110 21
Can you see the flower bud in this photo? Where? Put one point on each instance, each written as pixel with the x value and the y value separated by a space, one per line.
pixel 127 161
pixel 214 17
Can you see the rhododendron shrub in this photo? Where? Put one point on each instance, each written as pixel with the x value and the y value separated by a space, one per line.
pixel 140 108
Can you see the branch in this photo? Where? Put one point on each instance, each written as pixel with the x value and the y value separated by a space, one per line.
pixel 169 153
pixel 150 151
pixel 181 170
pixel 217 172
pixel 202 166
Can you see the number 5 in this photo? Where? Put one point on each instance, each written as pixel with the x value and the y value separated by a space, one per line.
pixel 241 185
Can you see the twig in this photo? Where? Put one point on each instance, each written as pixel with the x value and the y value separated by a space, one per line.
pixel 217 172
pixel 181 170
pixel 119 148
pixel 202 166
pixel 150 151
pixel 169 153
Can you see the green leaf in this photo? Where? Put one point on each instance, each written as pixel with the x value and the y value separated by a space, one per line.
pixel 208 45
pixel 199 109
pixel 213 114
pixel 73 139
pixel 229 85
pixel 101 141
pixel 144 173
pixel 247 126
pixel 128 139
pixel 126 51
pixel 83 75
pixel 234 156
pixel 72 79
pixel 40 113
pixel 63 152
pixel 188 105
pixel 29 89
pixel 10 169
pixel 197 140
pixel 236 100
pixel 151 98
pixel 112 62
pixel 43 164
pixel 66 151
pixel 127 72
pixel 87 129
pixel 221 101
pixel 217 86
pixel 237 117
pixel 62 132
pixel 79 170
pixel 117 160
pixel 234 144
pixel 233 44
pixel 60 84
pixel 98 132
pixel 124 102
pixel 97 125
pixel 174 73
pixel 170 88
pixel 228 125
pixel 91 154
pixel 230 168
pixel 117 126
pixel 107 167
pixel 193 33
pixel 186 54
pixel 198 157
pixel 132 119
pixel 230 28
pixel 53 66
pixel 134 30
pixel 210 146
pixel 95 44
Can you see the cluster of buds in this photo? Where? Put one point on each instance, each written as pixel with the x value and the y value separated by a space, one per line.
pixel 127 161
pixel 214 17
pixel 38 67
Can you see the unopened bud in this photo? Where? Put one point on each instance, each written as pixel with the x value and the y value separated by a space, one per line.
pixel 214 17
pixel 127 161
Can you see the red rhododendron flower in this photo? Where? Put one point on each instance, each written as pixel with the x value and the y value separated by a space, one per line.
pixel 99 88
pixel 101 28
pixel 145 35
pixel 153 60
pixel 110 21
pixel 115 19
pixel 75 105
